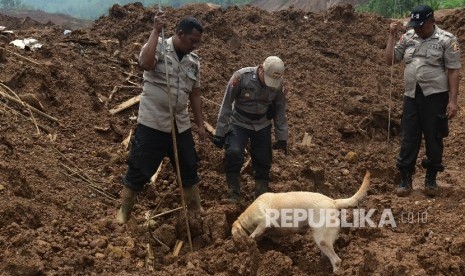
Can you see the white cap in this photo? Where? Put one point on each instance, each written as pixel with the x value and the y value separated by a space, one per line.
pixel 274 70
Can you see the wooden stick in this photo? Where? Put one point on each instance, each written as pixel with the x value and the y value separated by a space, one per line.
pixel 117 87
pixel 160 242
pixel 44 128
pixel 167 212
pixel 246 164
pixel 35 110
pixel 149 258
pixel 177 247
pixel 210 101
pixel 30 60
pixel 126 141
pixel 155 176
pixel 28 107
pixel 209 128
pixel 125 105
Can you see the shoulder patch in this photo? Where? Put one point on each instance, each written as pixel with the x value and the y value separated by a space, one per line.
pixel 234 81
pixel 455 46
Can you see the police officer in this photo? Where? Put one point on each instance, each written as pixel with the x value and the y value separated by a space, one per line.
pixel 153 139
pixel 431 76
pixel 254 97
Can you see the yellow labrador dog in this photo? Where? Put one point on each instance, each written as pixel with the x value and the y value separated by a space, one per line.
pixel 267 212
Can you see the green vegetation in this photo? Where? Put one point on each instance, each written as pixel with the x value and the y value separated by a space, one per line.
pixel 92 9
pixel 401 8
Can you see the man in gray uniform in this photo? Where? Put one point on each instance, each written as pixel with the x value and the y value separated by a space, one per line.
pixel 153 139
pixel 254 96
pixel 431 76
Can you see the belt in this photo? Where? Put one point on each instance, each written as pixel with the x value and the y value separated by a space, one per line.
pixel 248 115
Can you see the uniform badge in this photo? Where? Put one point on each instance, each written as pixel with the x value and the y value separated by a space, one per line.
pixel 234 81
pixel 455 46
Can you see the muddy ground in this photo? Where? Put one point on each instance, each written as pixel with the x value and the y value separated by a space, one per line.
pixel 59 188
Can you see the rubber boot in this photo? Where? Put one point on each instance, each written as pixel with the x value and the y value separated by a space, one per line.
pixel 234 187
pixel 261 187
pixel 405 185
pixel 128 197
pixel 192 198
pixel 431 187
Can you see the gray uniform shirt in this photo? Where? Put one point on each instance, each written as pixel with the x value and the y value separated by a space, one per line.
pixel 427 60
pixel 184 75
pixel 245 92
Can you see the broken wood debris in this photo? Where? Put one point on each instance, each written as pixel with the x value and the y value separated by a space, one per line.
pixel 177 247
pixel 126 104
pixel 18 101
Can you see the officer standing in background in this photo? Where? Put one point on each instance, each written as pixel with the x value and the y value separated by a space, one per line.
pixel 431 76
pixel 253 98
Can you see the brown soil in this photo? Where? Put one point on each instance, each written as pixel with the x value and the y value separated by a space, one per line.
pixel 47 18
pixel 306 5
pixel 53 223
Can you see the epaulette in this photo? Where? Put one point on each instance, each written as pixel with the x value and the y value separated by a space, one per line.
pixel 194 55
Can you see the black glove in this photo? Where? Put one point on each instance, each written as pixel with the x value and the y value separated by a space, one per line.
pixel 219 141
pixel 281 145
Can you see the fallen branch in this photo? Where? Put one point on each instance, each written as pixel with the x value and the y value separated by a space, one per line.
pixel 33 109
pixel 117 87
pixel 27 106
pixel 210 101
pixel 165 213
pixel 44 128
pixel 125 105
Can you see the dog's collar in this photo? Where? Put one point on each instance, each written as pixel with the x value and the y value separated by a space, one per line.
pixel 244 228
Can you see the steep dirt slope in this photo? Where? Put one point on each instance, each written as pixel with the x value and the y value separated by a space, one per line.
pixel 59 190
pixel 305 5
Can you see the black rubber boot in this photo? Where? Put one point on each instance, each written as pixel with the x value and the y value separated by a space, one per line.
pixel 192 198
pixel 128 197
pixel 431 187
pixel 261 187
pixel 405 185
pixel 234 187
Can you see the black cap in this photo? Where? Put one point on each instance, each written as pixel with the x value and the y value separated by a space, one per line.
pixel 419 15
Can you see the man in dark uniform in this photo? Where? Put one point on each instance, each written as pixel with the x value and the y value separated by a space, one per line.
pixel 253 98
pixel 432 63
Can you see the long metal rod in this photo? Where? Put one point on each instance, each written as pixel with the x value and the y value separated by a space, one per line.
pixel 173 134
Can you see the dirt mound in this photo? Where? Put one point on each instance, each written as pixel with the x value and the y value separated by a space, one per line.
pixel 63 20
pixel 14 23
pixel 60 189
pixel 305 5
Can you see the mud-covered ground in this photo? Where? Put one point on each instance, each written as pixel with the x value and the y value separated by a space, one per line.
pixel 59 189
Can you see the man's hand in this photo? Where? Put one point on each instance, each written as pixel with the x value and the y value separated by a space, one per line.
pixel 202 134
pixel 451 109
pixel 159 22
pixel 219 141
pixel 281 145
pixel 394 26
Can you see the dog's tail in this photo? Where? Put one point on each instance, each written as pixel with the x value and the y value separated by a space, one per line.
pixel 361 193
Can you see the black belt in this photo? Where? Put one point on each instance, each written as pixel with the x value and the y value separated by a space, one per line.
pixel 251 116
